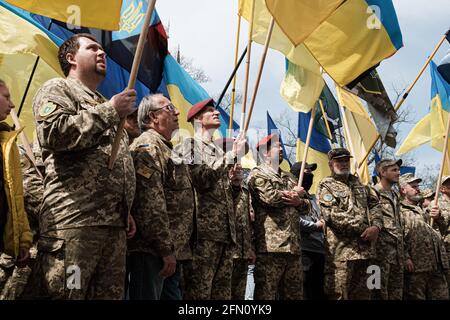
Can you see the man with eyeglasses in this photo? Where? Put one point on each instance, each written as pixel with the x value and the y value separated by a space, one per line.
pixel 212 262
pixel 425 255
pixel 163 208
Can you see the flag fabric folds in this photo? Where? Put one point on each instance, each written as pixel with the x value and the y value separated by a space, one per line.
pixel 332 113
pixel 370 88
pixel 300 88
pixel 432 127
pixel 86 13
pixel 318 149
pixel 311 13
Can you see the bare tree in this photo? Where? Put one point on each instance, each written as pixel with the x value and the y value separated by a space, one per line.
pixel 288 127
pixel 198 74
pixel 226 100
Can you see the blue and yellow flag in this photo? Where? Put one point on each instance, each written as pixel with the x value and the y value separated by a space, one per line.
pixel 87 13
pixel 271 128
pixel 318 149
pixel 433 126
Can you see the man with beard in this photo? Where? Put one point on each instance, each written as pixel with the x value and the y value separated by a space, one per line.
pixel 311 227
pixel 86 206
pixel 278 203
pixel 389 246
pixel 426 258
pixel 353 218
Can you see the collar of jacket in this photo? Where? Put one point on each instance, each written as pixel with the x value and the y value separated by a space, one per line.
pixel 159 136
pixel 93 94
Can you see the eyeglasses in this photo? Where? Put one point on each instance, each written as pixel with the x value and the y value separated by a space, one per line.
pixel 170 107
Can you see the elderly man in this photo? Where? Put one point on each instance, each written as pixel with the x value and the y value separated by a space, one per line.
pixel 212 263
pixel 277 202
pixel 426 258
pixel 163 207
pixel 354 219
pixel 390 254
pixel 86 206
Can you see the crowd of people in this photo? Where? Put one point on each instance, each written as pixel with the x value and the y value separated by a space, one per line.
pixel 186 221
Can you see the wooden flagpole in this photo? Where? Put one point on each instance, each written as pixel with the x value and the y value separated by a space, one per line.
pixel 233 89
pixel 308 142
pixel 133 76
pixel 258 78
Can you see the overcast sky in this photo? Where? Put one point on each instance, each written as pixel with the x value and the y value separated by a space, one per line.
pixel 205 30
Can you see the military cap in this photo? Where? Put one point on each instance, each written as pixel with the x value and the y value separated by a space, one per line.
pixel 339 153
pixel 428 193
pixel 198 107
pixel 408 178
pixel 384 163
pixel 226 144
pixel 445 179
pixel 296 167
pixel 266 140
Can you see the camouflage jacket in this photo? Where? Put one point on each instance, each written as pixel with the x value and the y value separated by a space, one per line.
pixel 423 244
pixel 76 128
pixel 348 209
pixel 444 205
pixel 390 246
pixel 208 167
pixel 276 225
pixel 164 203
pixel 244 232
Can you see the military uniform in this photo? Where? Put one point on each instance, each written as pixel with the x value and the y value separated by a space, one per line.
pixel 215 233
pixel 85 205
pixel 244 246
pixel 424 246
pixel 444 205
pixel 33 185
pixel 163 207
pixel 278 267
pixel 348 209
pixel 390 246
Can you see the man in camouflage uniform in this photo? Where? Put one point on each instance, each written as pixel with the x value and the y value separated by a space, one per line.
pixel 353 220
pixel 85 206
pixel 215 237
pixel 277 202
pixel 444 205
pixel 426 258
pixel 428 197
pixel 163 206
pixel 33 186
pixel 389 247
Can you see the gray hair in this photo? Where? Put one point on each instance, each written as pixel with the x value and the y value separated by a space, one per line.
pixel 149 103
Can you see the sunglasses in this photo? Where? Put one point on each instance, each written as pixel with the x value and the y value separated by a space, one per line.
pixel 170 107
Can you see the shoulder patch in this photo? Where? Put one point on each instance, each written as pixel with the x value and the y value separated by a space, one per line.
pixel 327 197
pixel 145 171
pixel 259 182
pixel 47 109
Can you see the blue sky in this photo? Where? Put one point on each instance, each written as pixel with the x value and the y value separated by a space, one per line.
pixel 205 30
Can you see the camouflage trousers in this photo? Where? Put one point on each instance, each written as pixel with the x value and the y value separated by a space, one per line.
pixel 347 280
pixel 84 263
pixel 278 273
pixel 391 281
pixel 239 279
pixel 431 285
pixel 210 269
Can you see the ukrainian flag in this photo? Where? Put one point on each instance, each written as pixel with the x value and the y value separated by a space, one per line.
pixel 318 149
pixel 87 13
pixel 432 128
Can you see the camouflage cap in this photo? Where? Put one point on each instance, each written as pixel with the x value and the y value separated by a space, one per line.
pixel 408 178
pixel 384 163
pixel 445 179
pixel 428 193
pixel 339 153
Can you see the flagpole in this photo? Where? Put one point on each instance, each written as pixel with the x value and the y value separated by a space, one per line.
pixel 132 80
pixel 349 138
pixel 308 142
pixel 325 119
pixel 399 104
pixel 247 64
pixel 441 171
pixel 25 141
pixel 258 78
pixel 233 89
